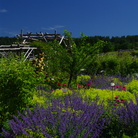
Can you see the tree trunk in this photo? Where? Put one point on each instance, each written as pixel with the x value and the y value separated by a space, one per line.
pixel 70 79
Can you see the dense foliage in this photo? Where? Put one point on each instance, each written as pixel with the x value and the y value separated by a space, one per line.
pixel 18 81
pixel 115 43
pixel 8 40
pixel 114 63
pixel 73 91
pixel 69 59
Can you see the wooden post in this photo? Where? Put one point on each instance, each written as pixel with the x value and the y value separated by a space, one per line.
pixel 21 33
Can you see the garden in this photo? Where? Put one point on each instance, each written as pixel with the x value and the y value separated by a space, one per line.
pixel 69 91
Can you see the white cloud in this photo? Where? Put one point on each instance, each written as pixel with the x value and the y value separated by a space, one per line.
pixel 3 10
pixel 54 27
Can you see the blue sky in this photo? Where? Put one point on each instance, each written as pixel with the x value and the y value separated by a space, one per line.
pixel 91 17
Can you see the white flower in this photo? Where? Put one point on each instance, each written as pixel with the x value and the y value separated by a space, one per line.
pixel 82 69
pixel 112 84
pixel 102 71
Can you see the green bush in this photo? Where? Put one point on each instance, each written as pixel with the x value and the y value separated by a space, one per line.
pixel 132 86
pixel 109 63
pixel 114 64
pixel 82 79
pixel 18 81
pixel 58 93
pixel 106 95
pixel 125 63
pixel 134 53
pixel 134 66
pixel 92 93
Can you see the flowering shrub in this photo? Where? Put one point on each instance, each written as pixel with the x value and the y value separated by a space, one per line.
pixel 119 87
pixel 128 119
pixel 54 82
pixel 117 100
pixel 38 63
pixel 104 82
pixel 124 120
pixel 68 118
pixel 101 81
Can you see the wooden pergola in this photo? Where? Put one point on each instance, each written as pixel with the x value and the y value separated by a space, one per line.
pixel 25 47
pixel 41 36
pixel 18 49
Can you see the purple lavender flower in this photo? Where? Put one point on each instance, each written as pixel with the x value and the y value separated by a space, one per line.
pixel 68 117
pixel 128 118
pixel 103 82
